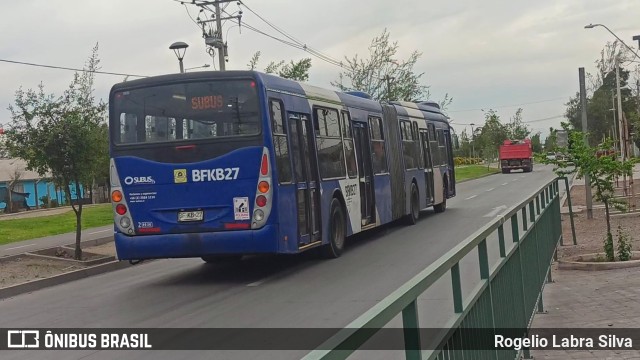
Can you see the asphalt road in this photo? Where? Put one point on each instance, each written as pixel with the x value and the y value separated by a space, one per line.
pixel 274 291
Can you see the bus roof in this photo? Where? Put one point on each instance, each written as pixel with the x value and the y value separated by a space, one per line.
pixel 279 84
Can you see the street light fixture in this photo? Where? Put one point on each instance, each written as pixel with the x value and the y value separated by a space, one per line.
pixel 591 26
pixel 179 48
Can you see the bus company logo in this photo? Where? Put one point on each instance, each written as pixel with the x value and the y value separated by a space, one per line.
pixel 130 180
pixel 23 339
pixel 179 176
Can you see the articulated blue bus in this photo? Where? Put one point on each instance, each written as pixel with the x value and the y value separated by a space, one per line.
pixel 222 164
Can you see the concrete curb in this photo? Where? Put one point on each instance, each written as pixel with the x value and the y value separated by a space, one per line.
pixel 577 263
pixel 476 178
pixel 31 286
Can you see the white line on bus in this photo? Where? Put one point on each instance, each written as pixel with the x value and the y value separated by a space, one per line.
pixel 471 197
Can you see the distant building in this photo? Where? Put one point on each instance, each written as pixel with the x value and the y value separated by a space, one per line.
pixel 29 186
pixel 562 139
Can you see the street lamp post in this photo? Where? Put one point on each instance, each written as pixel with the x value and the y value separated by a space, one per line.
pixel 179 48
pixel 473 142
pixel 591 26
pixel 624 137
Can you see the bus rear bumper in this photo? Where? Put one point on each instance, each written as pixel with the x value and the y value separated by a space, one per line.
pixel 187 245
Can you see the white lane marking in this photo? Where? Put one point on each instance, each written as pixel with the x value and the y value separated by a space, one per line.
pixel 489 189
pixel 514 180
pixel 471 197
pixel 257 283
pixel 495 211
pixel 504 184
pixel 19 247
pixel 97 232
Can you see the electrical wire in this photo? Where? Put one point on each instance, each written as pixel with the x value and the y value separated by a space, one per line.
pixel 68 68
pixel 508 106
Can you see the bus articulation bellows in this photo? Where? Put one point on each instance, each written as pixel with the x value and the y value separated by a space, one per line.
pixel 222 164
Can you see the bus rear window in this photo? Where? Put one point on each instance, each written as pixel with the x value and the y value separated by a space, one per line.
pixel 187 111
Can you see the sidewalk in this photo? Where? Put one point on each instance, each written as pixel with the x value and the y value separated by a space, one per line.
pixel 606 299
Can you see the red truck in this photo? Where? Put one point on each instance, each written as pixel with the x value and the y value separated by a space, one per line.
pixel 516 154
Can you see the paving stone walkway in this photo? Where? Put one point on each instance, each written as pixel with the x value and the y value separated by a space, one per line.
pixel 606 299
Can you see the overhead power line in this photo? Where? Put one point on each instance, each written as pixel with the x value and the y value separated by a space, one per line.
pixel 513 105
pixel 67 68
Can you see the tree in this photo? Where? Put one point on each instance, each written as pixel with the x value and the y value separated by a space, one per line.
pixel 61 134
pixel 602 171
pixel 492 135
pixel 382 76
pixel 551 142
pixel 516 129
pixel 294 70
pixel 536 144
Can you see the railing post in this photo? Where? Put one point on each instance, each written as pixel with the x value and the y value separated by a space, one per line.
pixel 538 205
pixel 483 259
pixel 524 218
pixel 456 286
pixel 503 251
pixel 515 234
pixel 411 331
pixel 532 213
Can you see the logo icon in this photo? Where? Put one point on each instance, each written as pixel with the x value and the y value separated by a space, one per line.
pixel 139 180
pixel 23 339
pixel 179 176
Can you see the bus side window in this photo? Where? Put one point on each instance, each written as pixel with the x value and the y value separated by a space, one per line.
pixel 280 145
pixel 377 145
pixel 349 150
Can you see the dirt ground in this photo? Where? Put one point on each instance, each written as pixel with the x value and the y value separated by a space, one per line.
pixel 578 196
pixel 590 233
pixel 24 269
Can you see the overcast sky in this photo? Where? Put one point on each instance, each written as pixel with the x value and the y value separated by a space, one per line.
pixel 485 54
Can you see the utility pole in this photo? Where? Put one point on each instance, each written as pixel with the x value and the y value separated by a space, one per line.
pixel 623 127
pixel 388 79
pixel 583 105
pixel 214 39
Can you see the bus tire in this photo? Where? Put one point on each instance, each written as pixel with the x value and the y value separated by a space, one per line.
pixel 337 231
pixel 440 208
pixel 222 259
pixel 414 206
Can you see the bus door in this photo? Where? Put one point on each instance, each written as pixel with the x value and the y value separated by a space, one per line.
pixel 365 171
pixel 307 184
pixel 428 165
pixel 449 150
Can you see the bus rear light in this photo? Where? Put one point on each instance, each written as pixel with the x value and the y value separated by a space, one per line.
pixel 121 209
pixel 261 200
pixel 258 215
pixel 264 168
pixel 116 196
pixel 125 222
pixel 263 186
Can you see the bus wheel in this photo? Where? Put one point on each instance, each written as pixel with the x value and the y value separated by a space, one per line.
pixel 414 206
pixel 337 231
pixel 440 208
pixel 222 259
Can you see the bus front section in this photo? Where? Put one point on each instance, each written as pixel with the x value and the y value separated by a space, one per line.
pixel 190 175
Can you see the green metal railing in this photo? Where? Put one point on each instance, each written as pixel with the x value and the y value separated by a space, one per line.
pixel 507 296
